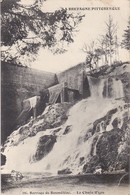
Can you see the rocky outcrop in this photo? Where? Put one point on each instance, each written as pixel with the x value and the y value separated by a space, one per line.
pixel 53 116
pixel 44 146
pixel 64 171
pixel 120 72
pixel 3 159
pixel 112 147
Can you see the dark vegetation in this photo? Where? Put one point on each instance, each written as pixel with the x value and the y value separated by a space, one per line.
pixel 26 29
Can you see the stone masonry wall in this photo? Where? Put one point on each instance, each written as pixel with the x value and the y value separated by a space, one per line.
pixel 17 84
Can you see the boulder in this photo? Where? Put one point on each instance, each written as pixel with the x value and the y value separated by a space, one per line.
pixel 64 171
pixel 3 159
pixel 44 146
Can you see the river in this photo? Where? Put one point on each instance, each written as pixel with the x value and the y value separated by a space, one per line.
pixel 35 183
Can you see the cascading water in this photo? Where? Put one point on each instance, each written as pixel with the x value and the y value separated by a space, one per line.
pixel 72 147
pixel 106 87
pixel 118 91
pixel 96 87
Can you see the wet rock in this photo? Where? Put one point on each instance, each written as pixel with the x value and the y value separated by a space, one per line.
pixel 107 148
pixel 31 134
pixel 88 134
pixel 112 147
pixel 54 116
pixel 3 159
pixel 115 123
pixel 67 129
pixel 89 167
pixel 44 146
pixel 64 171
pixel 106 120
pixel 81 160
pixel 56 130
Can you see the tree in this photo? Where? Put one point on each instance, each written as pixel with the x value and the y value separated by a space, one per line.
pixel 105 48
pixel 93 55
pixel 25 29
pixel 109 40
pixel 126 37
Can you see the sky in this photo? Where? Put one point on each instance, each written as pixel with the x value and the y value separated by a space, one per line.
pixel 90 29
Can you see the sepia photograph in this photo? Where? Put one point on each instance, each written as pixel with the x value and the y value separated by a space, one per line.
pixel 65 97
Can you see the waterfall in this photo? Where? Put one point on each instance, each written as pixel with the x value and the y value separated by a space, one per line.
pixel 106 87
pixel 70 148
pixel 118 91
pixel 96 87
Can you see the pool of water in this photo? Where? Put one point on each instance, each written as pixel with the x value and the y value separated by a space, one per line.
pixel 35 183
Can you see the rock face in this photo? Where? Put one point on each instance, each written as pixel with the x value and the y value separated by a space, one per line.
pixel 44 146
pixel 53 116
pixel 3 159
pixel 107 150
pixel 112 147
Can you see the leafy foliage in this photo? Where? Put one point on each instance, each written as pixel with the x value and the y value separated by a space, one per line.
pixel 25 29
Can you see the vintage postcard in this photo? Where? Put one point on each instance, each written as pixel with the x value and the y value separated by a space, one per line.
pixel 65 97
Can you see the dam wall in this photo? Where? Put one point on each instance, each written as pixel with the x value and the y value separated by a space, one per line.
pixel 19 83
